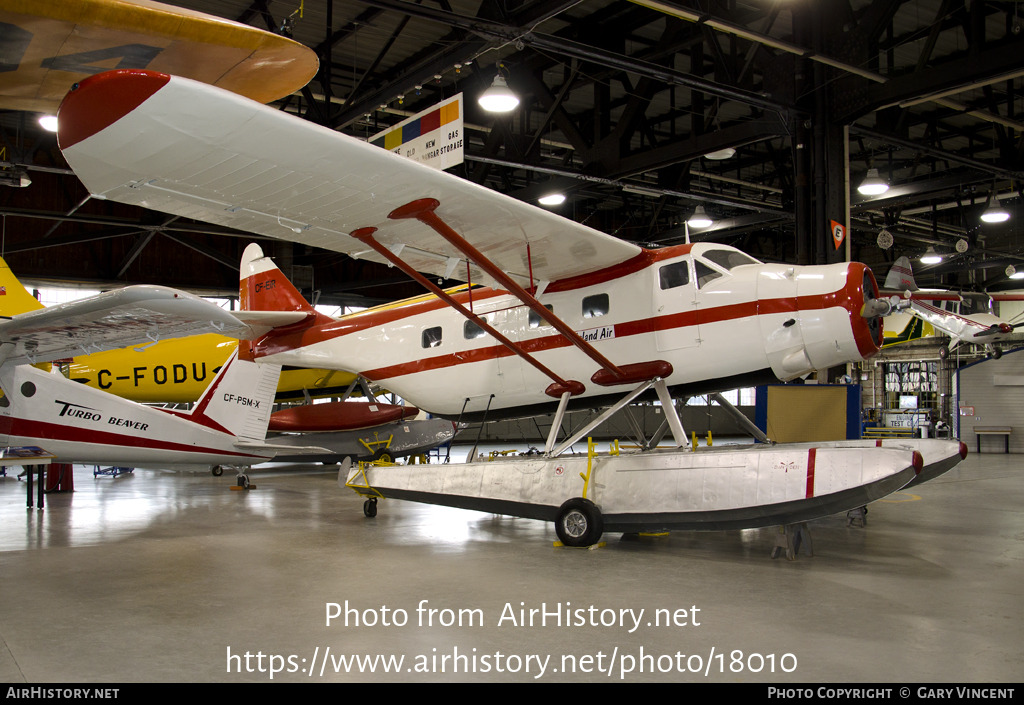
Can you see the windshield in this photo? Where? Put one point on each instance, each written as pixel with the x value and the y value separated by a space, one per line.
pixel 727 259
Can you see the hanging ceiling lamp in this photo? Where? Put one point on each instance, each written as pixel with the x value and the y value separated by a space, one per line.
pixel 552 199
pixel 873 184
pixel 699 219
pixel 995 213
pixel 931 256
pixel 498 98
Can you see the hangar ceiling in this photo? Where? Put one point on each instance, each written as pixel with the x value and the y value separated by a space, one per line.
pixel 621 103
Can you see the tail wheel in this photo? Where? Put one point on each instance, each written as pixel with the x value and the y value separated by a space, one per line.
pixel 579 523
pixel 370 508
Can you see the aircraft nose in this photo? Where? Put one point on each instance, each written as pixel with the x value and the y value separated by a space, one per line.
pixel 101 100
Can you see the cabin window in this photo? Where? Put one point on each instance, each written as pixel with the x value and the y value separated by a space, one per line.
pixel 673 275
pixel 727 259
pixel 536 321
pixel 471 330
pixel 431 337
pixel 705 274
pixel 4 401
pixel 596 305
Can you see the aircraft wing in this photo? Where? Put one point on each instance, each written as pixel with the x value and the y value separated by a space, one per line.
pixel 190 149
pixel 115 319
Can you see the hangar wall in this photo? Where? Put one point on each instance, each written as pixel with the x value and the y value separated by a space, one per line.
pixel 993 388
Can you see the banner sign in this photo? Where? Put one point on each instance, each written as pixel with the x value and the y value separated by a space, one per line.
pixel 433 137
pixel 838 233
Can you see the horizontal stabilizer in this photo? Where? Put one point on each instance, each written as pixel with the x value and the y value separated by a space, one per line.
pixel 115 319
pixel 277 449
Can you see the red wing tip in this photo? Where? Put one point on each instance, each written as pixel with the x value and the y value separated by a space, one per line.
pixel 99 101
pixel 918 462
pixel 963 450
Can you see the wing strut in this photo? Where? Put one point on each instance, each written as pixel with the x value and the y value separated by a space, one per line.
pixel 559 385
pixel 609 375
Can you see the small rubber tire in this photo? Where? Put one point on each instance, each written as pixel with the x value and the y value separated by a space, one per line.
pixel 243 481
pixel 579 522
pixel 943 353
pixel 997 353
pixel 370 508
pixel 217 470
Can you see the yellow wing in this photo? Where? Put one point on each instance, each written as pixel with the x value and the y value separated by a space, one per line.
pixel 53 44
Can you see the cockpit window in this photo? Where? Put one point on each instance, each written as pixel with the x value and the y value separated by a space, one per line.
pixel 705 274
pixel 727 259
pixel 673 275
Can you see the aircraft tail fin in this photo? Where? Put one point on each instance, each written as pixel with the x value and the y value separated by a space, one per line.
pixel 901 276
pixel 239 399
pixel 264 287
pixel 14 298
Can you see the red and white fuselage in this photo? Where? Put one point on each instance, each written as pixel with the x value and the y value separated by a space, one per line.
pixel 720 318
pixel 84 425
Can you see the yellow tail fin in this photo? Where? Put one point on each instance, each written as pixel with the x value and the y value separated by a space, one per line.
pixel 14 299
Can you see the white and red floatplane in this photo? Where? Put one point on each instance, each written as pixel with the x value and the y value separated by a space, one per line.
pixel 568 317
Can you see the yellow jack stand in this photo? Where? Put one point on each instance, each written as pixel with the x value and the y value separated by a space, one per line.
pixel 599 544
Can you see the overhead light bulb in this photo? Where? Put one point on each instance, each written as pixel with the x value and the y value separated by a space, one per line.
pixel 499 98
pixel 552 199
pixel 48 122
pixel 995 213
pixel 873 184
pixel 721 154
pixel 931 256
pixel 1017 275
pixel 699 219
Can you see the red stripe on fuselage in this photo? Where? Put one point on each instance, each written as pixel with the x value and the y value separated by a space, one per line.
pixel 28 428
pixel 850 298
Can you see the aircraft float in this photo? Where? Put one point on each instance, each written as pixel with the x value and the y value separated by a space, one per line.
pixel 982 329
pixel 78 424
pixel 568 317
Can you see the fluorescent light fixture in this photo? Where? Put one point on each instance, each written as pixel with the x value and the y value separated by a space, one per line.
pixel 721 154
pixel 995 213
pixel 931 256
pixel 873 184
pixel 641 191
pixel 699 219
pixel 48 122
pixel 552 199
pixel 499 98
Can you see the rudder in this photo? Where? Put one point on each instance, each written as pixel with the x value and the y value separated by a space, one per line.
pixel 263 286
pixel 14 298
pixel 240 399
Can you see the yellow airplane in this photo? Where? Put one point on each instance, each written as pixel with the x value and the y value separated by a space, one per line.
pixel 51 44
pixel 172 371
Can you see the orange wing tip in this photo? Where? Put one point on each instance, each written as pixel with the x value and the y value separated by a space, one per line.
pixel 101 100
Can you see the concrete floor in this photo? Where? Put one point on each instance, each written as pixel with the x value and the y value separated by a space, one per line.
pixel 154 576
